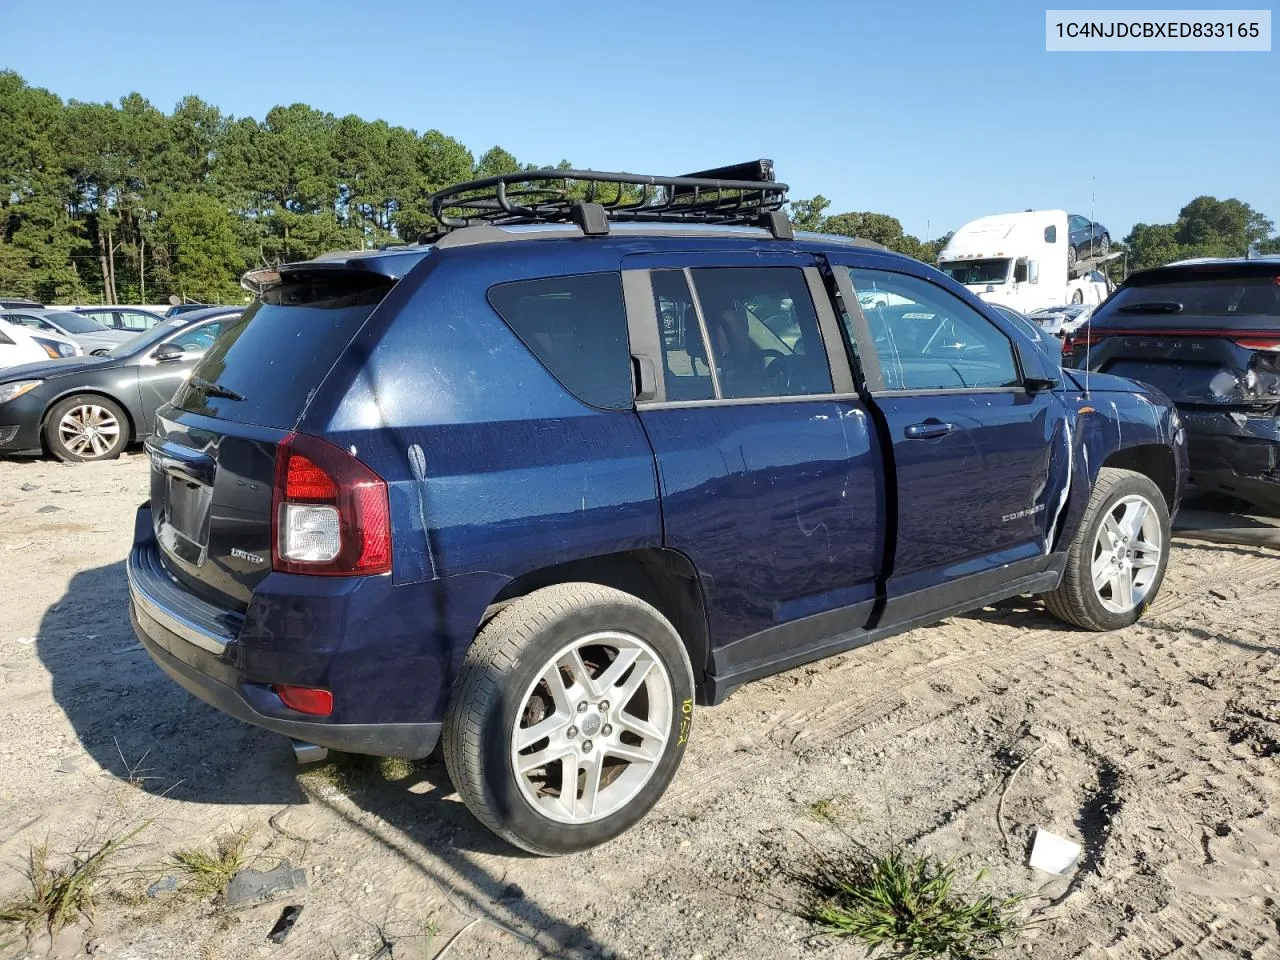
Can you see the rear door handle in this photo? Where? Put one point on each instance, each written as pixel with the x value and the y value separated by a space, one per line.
pixel 929 430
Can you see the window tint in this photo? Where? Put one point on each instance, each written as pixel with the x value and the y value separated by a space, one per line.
pixel 198 337
pixel 928 339
pixel 276 354
pixel 764 332
pixel 577 327
pixel 1238 296
pixel 684 350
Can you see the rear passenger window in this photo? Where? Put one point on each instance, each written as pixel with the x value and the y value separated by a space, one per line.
pixel 764 332
pixel 577 327
pixel 684 351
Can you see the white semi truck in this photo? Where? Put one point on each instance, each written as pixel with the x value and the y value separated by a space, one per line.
pixel 1020 260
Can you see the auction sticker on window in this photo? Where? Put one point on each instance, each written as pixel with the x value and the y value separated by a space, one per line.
pixel 1186 31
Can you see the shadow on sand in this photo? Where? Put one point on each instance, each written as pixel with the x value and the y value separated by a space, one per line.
pixel 138 724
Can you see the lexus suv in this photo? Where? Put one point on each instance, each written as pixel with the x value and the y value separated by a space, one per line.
pixel 1207 333
pixel 604 448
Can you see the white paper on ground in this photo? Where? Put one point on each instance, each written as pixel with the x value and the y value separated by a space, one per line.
pixel 1052 853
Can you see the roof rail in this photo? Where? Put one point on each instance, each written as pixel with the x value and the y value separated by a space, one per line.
pixel 742 194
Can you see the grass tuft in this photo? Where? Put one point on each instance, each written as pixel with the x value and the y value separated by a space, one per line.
pixel 910 905
pixel 833 809
pixel 352 773
pixel 58 895
pixel 209 871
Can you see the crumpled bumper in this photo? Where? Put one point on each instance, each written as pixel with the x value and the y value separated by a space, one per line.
pixel 1235 453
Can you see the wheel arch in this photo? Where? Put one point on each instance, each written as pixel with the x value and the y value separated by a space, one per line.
pixel 665 579
pixel 1155 462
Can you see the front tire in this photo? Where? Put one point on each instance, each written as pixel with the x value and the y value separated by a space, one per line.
pixel 86 427
pixel 1117 561
pixel 1072 256
pixel 1104 247
pixel 569 718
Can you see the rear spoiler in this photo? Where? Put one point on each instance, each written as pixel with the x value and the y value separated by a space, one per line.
pixel 1199 269
pixel 264 278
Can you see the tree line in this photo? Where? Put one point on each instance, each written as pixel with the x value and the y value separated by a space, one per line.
pixel 124 203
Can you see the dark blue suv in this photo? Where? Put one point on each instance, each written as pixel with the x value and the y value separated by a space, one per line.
pixel 584 459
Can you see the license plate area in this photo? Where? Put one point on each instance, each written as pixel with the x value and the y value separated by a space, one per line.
pixel 182 524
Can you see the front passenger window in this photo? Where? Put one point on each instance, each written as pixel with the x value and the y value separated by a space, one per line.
pixel 928 339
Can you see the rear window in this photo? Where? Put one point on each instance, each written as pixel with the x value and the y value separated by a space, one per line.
pixel 1210 297
pixel 577 327
pixel 280 349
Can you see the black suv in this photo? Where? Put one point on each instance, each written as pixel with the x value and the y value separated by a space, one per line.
pixel 1207 333
pixel 604 448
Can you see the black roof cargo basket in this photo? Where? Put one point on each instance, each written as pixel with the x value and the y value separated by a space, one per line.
pixel 742 194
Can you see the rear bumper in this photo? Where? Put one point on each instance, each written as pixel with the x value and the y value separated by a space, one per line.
pixel 1236 454
pixel 197 645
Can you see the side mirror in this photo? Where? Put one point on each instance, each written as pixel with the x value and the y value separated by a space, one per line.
pixel 1038 372
pixel 166 352
pixel 1033 271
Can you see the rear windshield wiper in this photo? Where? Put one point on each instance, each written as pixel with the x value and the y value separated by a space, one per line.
pixel 1152 306
pixel 216 389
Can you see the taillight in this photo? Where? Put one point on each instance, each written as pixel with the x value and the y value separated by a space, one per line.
pixel 330 513
pixel 1259 343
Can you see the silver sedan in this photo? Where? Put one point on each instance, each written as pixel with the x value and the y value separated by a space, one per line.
pixel 91 336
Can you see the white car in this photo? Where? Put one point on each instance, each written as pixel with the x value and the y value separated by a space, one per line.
pixel 19 345
pixel 1061 320
pixel 92 336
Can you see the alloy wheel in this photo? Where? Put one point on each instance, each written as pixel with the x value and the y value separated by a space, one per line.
pixel 1126 554
pixel 592 727
pixel 89 430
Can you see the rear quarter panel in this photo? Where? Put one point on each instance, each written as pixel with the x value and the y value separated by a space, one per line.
pixel 494 468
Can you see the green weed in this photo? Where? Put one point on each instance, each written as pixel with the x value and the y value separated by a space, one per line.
pixel 209 871
pixel 58 895
pixel 909 904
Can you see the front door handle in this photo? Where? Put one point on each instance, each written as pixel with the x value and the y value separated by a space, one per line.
pixel 929 430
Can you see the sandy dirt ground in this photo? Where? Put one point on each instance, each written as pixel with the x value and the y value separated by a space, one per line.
pixel 1157 748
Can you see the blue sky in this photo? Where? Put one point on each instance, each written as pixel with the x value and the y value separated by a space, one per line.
pixel 935 113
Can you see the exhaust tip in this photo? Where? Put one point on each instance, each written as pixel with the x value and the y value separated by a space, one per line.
pixel 308 752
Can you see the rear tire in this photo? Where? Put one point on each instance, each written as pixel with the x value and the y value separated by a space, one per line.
pixel 593 682
pixel 1072 256
pixel 1077 297
pixel 1104 247
pixel 1117 561
pixel 86 427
